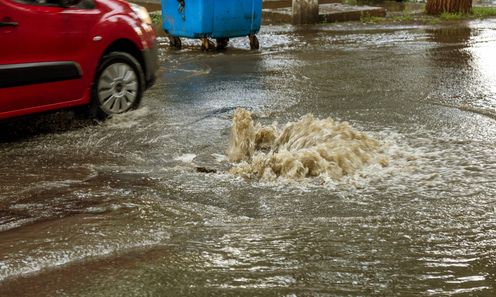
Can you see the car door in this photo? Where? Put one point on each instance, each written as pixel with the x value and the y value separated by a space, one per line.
pixel 40 55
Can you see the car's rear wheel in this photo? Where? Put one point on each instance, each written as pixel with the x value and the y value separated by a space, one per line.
pixel 118 85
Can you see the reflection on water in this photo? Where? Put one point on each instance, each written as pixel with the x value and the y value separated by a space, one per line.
pixel 484 61
pixel 468 47
pixel 453 40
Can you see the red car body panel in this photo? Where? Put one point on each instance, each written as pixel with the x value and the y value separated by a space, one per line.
pixel 72 38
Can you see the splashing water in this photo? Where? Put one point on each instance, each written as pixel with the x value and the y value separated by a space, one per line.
pixel 309 147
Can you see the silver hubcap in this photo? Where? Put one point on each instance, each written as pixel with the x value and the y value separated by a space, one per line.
pixel 117 88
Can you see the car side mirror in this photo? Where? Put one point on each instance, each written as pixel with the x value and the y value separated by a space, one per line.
pixel 68 3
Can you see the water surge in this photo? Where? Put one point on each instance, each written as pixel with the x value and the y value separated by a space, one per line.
pixel 309 147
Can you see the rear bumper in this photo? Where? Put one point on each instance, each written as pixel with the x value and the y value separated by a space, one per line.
pixel 150 56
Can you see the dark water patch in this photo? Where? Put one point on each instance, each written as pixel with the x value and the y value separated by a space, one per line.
pixel 23 128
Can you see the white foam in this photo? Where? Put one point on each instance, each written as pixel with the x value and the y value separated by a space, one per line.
pixel 186 158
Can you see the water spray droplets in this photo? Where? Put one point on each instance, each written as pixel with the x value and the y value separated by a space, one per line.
pixel 309 147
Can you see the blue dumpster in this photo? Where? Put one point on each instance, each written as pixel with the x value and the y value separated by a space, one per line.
pixel 219 19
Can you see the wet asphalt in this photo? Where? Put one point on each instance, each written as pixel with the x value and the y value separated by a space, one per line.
pixel 119 208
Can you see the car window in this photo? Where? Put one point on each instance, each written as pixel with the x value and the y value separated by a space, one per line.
pixel 39 2
pixel 88 4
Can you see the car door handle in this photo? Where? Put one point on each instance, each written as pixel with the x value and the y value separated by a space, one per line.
pixel 8 24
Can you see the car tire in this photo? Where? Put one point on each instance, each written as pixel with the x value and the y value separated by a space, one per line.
pixel 118 86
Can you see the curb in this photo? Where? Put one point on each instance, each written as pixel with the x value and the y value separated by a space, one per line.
pixel 328 13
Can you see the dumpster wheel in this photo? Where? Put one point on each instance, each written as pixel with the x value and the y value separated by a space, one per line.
pixel 175 42
pixel 222 43
pixel 254 44
pixel 207 44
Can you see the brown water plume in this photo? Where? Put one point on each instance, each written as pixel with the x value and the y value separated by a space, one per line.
pixel 309 147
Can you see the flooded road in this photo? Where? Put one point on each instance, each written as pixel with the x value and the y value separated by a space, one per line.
pixel 122 209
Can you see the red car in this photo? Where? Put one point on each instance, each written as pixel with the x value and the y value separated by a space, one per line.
pixel 63 53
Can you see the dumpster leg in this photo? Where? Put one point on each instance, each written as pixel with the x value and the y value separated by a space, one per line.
pixel 175 42
pixel 222 43
pixel 207 44
pixel 254 45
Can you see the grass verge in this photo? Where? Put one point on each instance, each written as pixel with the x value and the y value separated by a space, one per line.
pixel 406 17
pixel 483 12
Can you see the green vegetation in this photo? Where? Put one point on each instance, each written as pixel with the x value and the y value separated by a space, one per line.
pixel 483 12
pixel 452 16
pixel 434 21
pixel 156 18
pixel 350 2
pixel 407 16
pixel 477 12
pixel 372 19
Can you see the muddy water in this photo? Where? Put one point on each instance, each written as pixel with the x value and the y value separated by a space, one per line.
pixel 121 209
pixel 307 148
